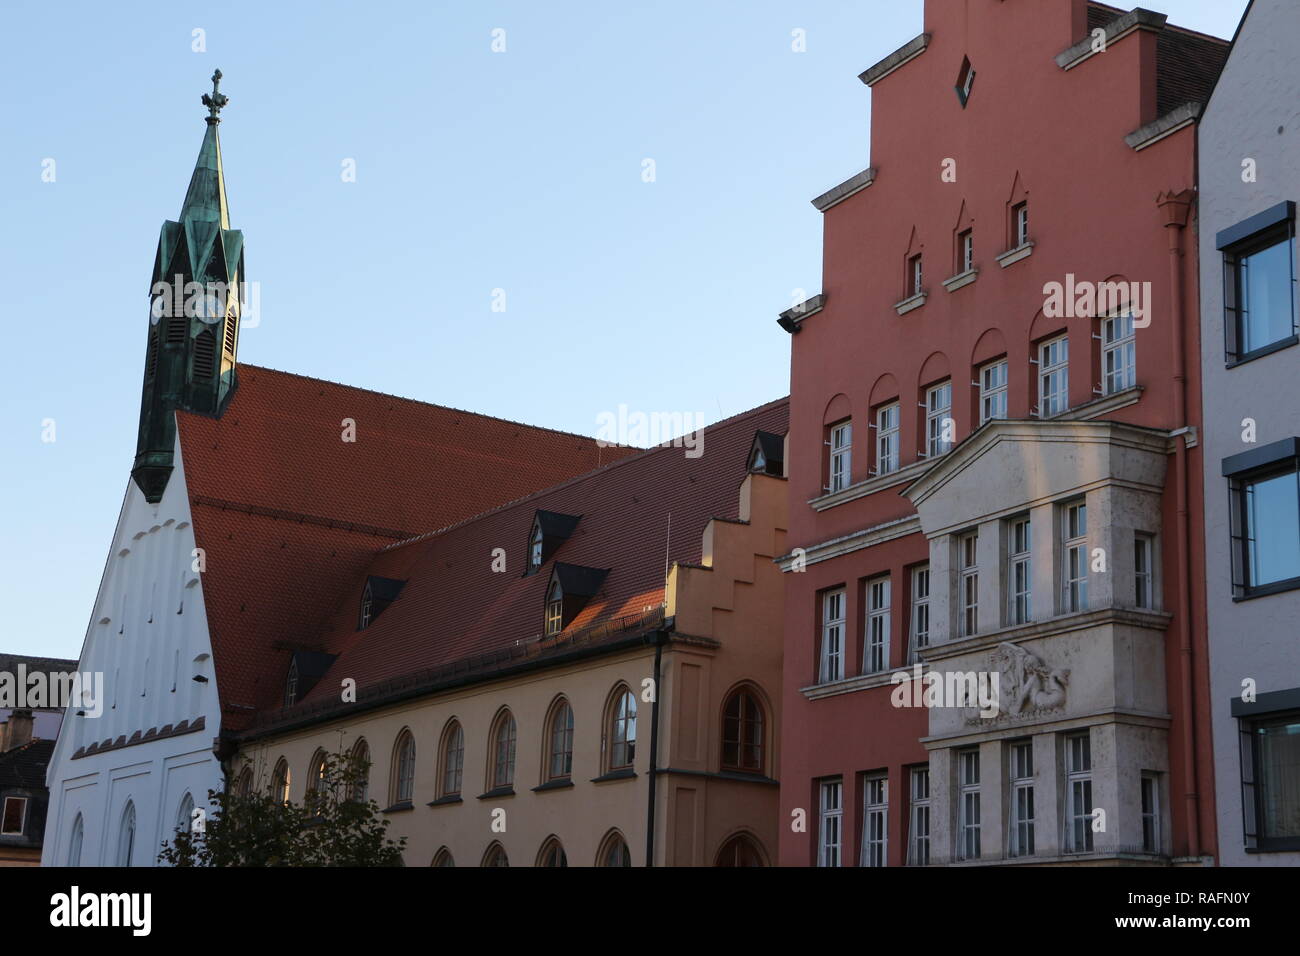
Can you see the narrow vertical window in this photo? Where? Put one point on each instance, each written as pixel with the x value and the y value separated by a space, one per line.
pixel 968 805
pixel 535 547
pixel 1053 377
pixel 404 772
pixel 1150 813
pixel 832 650
pixel 830 823
pixel 920 617
pixel 875 655
pixel 453 760
pixel 914 276
pixel 503 752
pixel 938 420
pixel 966 251
pixel 993 391
pixel 555 609
pixel 1143 575
pixel 1019 606
pixel 742 733
pixel 561 744
pixel 1078 793
pixel 74 845
pixel 918 849
pixel 841 452
pixel 1020 224
pixel 1118 354
pixel 126 836
pixel 1022 798
pixel 623 732
pixel 1074 564
pixel 887 424
pixel 875 821
pixel 968 584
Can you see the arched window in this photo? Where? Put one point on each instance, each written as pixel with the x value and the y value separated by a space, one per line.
pixel 496 856
pixel 280 781
pixel 552 854
pixel 316 772
pixel 360 792
pixel 559 757
pixel 453 760
pixel 291 684
pixel 74 845
pixel 126 836
pixel 555 608
pixel 185 814
pixel 622 729
pixel 740 850
pixel 443 858
pixel 614 851
pixel 502 760
pixel 742 732
pixel 244 784
pixel 403 783
pixel 535 547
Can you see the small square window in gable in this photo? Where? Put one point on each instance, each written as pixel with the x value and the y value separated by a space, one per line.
pixel 965 81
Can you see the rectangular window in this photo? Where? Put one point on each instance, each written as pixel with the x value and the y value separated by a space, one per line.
pixel 887 424
pixel 1020 224
pixel 1266 529
pixel 830 823
pixel 939 425
pixel 1022 798
pixel 1143 573
pixel 841 445
pixel 968 584
pixel 1078 794
pixel 1019 606
pixel 1118 354
pixel 1053 377
pixel 832 652
pixel 875 655
pixel 1074 563
pixel 1270 775
pixel 1150 813
pixel 968 805
pixel 1259 291
pixel 918 846
pixel 15 816
pixel 875 821
pixel 965 251
pixel 993 391
pixel 914 276
pixel 920 625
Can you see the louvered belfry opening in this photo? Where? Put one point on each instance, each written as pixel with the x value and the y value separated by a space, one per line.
pixel 151 366
pixel 231 322
pixel 205 354
pixel 176 327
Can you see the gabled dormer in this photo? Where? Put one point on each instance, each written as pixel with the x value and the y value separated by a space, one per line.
pixel 767 454
pixel 306 668
pixel 375 597
pixel 570 588
pixel 550 530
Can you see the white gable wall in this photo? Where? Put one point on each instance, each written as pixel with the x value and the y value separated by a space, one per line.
pixel 148 637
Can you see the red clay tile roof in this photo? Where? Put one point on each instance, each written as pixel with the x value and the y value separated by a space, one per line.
pixel 288 514
pixel 454 606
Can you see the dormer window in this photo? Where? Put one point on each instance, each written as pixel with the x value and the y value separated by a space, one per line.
pixel 375 597
pixel 291 685
pixel 767 454
pixel 571 587
pixel 306 668
pixel 555 609
pixel 550 530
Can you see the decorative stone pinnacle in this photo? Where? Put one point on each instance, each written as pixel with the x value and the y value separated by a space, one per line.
pixel 216 101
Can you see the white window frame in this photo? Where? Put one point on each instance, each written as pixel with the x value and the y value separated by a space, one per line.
pixel 841 456
pixel 968 584
pixel 555 609
pixel 831 653
pixel 968 805
pixel 875 650
pixel 920 616
pixel 830 823
pixel 993 390
pixel 1118 353
pixel 1020 608
pixel 1074 557
pixel 1020 759
pixel 1020 223
pixel 965 250
pixel 888 427
pixel 938 411
pixel 1149 798
pixel 875 820
pixel 918 834
pixel 1144 573
pixel 535 547
pixel 1078 793
pixel 916 275
pixel 1054 376
pixel 22 815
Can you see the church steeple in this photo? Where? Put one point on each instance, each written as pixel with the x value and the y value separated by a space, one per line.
pixel 194 311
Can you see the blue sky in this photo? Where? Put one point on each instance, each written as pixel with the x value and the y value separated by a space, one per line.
pixel 475 171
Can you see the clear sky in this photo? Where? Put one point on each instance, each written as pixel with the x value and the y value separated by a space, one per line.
pixel 475 171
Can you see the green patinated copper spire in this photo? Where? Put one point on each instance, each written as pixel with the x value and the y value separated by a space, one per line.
pixel 194 311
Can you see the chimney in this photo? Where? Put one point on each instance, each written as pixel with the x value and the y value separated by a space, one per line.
pixel 18 730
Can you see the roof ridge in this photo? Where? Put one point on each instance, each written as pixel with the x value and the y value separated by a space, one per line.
pixel 666 446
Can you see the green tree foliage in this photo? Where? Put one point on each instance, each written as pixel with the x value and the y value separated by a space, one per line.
pixel 334 826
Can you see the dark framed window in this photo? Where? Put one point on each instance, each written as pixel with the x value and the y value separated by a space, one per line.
pixel 1270 779
pixel 1264 485
pixel 1259 284
pixel 622 730
pixel 742 732
pixel 15 816
pixel 559 762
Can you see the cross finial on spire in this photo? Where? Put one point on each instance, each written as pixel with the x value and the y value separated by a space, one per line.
pixel 216 101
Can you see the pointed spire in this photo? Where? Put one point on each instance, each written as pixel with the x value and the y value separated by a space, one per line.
pixel 205 200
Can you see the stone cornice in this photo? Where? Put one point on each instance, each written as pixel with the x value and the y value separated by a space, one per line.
pixel 1136 19
pixel 904 54
pixel 866 538
pixel 851 186
pixel 869 486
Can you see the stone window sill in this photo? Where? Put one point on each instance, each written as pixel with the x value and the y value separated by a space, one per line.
pixel 1012 256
